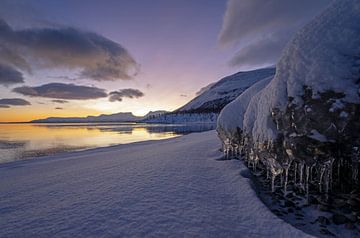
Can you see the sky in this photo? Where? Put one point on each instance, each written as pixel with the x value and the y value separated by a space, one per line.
pixel 79 58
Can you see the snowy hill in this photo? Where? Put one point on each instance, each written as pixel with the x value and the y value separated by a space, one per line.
pixel 219 94
pixel 117 117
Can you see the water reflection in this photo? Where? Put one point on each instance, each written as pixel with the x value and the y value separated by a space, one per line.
pixel 20 141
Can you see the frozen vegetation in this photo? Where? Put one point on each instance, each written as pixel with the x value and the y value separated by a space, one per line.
pixel 301 128
pixel 169 188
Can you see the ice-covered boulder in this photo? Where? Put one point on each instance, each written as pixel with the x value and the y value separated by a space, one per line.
pixel 308 115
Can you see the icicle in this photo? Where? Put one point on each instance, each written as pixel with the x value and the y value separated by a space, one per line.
pixel 256 159
pixel 322 170
pixel 327 175
pixel 273 176
pixel 286 180
pixel 307 171
pixel 295 170
pixel 301 174
pixel 267 173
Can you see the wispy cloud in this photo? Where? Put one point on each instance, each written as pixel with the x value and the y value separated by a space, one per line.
pixel 261 29
pixel 59 101
pixel 124 93
pixel 8 102
pixel 62 91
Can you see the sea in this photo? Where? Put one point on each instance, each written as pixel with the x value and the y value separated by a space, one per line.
pixel 20 141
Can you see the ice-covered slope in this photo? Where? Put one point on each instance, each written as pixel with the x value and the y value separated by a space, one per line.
pixel 224 91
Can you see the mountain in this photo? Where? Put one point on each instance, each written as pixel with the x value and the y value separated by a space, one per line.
pixel 216 95
pixel 117 117
pixel 205 107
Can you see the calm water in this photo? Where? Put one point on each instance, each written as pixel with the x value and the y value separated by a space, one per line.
pixel 23 141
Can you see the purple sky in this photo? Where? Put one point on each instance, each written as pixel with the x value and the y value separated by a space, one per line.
pixel 180 46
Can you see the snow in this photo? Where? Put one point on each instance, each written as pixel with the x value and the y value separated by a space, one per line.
pixel 169 188
pixel 323 56
pixel 317 136
pixel 232 116
pixel 182 117
pixel 337 105
pixel 226 89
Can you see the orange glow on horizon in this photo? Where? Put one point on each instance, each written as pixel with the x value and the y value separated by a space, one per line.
pixel 25 115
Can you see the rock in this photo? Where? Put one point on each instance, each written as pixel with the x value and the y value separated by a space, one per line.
pixel 324 208
pixel 339 219
pixel 289 203
pixel 323 220
pixel 326 232
pixel 338 202
pixel 349 226
pixel 290 195
pixel 313 200
pixel 352 218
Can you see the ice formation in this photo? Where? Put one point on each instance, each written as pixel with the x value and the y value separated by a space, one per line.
pixel 303 124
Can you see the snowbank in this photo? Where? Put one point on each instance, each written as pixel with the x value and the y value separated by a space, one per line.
pixel 167 188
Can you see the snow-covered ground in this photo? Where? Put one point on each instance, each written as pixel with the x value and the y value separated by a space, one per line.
pixel 178 187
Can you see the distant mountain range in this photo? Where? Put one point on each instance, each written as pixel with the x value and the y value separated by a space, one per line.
pixel 205 107
pixel 117 117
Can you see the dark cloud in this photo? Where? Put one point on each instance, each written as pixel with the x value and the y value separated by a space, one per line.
pixel 59 108
pixel 8 102
pixel 97 57
pixel 261 29
pixel 9 75
pixel 262 52
pixel 62 91
pixel 59 101
pixel 125 93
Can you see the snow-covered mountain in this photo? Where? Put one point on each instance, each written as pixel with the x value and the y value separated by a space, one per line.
pixel 215 96
pixel 205 107
pixel 117 117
